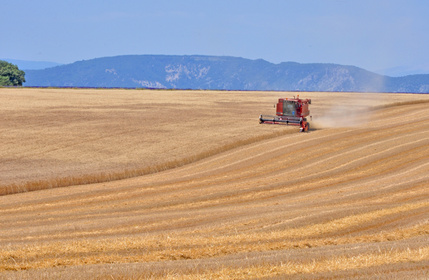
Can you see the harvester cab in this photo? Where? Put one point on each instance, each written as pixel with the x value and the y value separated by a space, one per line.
pixel 290 111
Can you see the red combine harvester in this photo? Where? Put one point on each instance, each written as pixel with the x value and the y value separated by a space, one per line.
pixel 290 111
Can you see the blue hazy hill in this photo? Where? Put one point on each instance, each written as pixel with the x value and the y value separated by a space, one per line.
pixel 221 73
pixel 31 65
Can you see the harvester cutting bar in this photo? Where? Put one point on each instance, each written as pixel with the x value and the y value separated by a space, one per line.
pixel 280 120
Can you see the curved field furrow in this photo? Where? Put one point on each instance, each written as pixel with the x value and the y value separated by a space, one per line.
pixel 337 202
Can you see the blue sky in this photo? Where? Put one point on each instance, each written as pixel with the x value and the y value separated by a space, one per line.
pixel 372 34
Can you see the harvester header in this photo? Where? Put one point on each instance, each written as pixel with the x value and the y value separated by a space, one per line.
pixel 290 111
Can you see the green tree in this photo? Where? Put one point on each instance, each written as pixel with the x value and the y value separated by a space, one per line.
pixel 10 75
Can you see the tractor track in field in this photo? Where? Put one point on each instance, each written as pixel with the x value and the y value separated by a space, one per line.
pixel 331 203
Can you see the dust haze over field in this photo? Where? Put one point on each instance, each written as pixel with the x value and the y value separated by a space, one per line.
pixel 232 199
pixel 355 111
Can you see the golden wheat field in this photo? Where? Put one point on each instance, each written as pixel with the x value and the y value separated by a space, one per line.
pixel 156 184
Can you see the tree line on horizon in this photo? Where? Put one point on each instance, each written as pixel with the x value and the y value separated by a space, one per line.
pixel 10 74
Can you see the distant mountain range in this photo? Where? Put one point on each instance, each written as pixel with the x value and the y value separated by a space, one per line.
pixel 220 73
pixel 31 65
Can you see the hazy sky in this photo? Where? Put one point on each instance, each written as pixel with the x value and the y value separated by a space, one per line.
pixel 372 34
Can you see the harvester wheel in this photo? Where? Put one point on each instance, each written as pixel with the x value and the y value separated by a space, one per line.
pixel 305 127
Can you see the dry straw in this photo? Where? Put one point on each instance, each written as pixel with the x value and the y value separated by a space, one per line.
pixel 107 177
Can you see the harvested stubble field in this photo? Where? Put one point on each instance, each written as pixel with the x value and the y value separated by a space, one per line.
pixel 188 185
